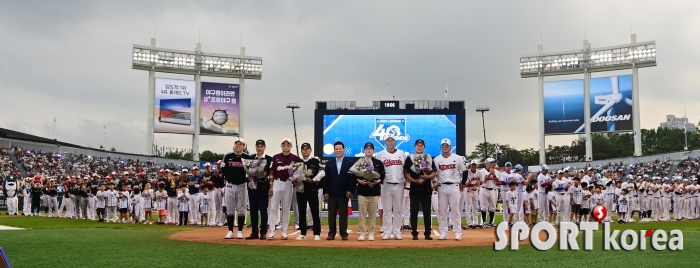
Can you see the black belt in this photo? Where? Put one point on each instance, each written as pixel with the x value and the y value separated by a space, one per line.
pixel 447 183
pixel 678 193
pixel 634 196
pixel 394 183
pixel 657 197
pixel 490 189
pixel 561 193
pixel 406 188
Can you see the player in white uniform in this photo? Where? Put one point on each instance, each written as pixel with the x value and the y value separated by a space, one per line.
pixel 677 190
pixel 560 187
pixel 521 185
pixel 506 177
pixel 694 199
pixel 488 194
pixel 392 188
pixel 449 167
pixel 656 202
pixel 543 180
pixel 471 180
pixel 667 192
pixel 645 198
pixel 632 197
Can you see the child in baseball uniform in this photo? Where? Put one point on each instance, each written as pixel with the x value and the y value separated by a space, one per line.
pixel 161 197
pixel 183 198
pixel 205 199
pixel 101 202
pixel 511 199
pixel 112 202
pixel 585 203
pixel 528 205
pixel 552 203
pixel 597 199
pixel 622 203
pixel 535 202
pixel 147 196
pixel 123 197
pixel 136 200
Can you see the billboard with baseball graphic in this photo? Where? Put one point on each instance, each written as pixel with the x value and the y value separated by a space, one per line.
pixel 219 109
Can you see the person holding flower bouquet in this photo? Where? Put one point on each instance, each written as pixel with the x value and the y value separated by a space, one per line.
pixel 370 173
pixel 281 186
pixel 309 192
pixel 235 190
pixel 258 196
pixel 419 173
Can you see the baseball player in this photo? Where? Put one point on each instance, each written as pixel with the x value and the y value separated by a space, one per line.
pixel 10 189
pixel 236 184
pixel 560 187
pixel 695 200
pixel 193 188
pixel 52 198
pixel 608 193
pixel 632 197
pixel 281 186
pixel 521 185
pixel 171 189
pixel 506 177
pixel 471 180
pixel 656 202
pixel 393 187
pixel 543 180
pixel 421 189
pixel 259 197
pixel 27 201
pixel 667 195
pixel 309 195
pixel 449 168
pixel 677 189
pixel 490 177
pixel 686 196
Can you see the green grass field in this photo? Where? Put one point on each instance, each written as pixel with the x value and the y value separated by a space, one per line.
pixel 50 242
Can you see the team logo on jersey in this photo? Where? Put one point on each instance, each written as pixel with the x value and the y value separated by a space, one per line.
pixel 393 162
pixel 448 166
pixel 395 126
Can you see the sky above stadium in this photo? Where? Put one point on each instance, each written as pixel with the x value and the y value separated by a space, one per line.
pixel 72 60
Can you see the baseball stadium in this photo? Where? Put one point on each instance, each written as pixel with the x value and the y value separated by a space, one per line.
pixel 224 154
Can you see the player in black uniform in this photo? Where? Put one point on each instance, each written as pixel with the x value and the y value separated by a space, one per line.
pixel 420 192
pixel 236 180
pixel 309 193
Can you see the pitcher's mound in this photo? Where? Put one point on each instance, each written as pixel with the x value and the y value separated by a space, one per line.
pixel 472 237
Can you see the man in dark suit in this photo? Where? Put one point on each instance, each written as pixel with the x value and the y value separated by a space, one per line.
pixel 338 186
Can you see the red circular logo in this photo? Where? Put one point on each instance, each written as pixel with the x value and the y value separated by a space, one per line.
pixel 599 213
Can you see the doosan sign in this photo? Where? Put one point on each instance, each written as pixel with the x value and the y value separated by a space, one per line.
pixel 568 234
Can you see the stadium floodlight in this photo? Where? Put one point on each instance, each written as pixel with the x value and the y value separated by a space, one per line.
pixel 482 110
pixel 197 63
pixel 586 61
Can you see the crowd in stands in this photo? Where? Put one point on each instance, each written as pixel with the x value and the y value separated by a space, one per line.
pixel 657 168
pixel 688 168
pixel 86 165
pixel 37 162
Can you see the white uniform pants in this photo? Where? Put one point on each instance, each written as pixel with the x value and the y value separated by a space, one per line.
pixel 472 206
pixel 235 199
pixel 27 206
pixel 193 203
pixel 632 207
pixel 463 208
pixel 505 213
pixel 69 205
pixel 282 191
pixel 448 198
pixel 519 207
pixel 666 208
pixel 12 203
pixel 92 203
pixel 544 207
pixel 173 214
pixel 435 205
pixel 694 207
pixel 562 203
pixel 52 205
pixel 488 199
pixel 656 208
pixel 215 209
pixel 392 197
pixel 609 202
pixel 406 207
pixel 111 214
pixel 677 207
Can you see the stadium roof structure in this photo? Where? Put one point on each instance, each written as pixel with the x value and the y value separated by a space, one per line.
pixel 11 134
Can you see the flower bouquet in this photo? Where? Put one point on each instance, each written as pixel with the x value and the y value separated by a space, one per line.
pixel 421 163
pixel 364 169
pixel 255 167
pixel 296 172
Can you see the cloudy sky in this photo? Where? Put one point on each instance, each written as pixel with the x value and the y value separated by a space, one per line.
pixel 72 60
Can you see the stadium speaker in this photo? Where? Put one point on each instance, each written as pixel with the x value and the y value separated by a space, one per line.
pixel 321 106
pixel 410 106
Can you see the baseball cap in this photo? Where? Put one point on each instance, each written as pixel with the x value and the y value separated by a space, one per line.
pixel 95 175
pixel 305 145
pixel 166 171
pixel 490 160
pixel 629 177
pixel 161 171
pixel 446 141
pixel 560 171
pixel 473 162
pixel 589 169
pixel 286 140
pixel 581 171
pixel 518 167
pixel 260 142
pixel 176 173
pixel 184 170
pixel 368 144
pixel 419 141
pixel 207 164
pixel 509 164
pixel 545 167
pixel 389 136
pixel 239 139
pixel 126 172
pixel 195 168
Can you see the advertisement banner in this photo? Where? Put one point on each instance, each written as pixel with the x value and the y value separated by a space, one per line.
pixel 610 101
pixel 219 109
pixel 174 106
pixel 611 104
pixel 356 130
pixel 563 106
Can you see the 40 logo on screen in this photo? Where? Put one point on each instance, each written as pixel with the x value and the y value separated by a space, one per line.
pixel 395 126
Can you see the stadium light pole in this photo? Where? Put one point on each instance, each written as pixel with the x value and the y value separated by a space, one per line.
pixel 585 61
pixel 294 122
pixel 198 64
pixel 482 110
